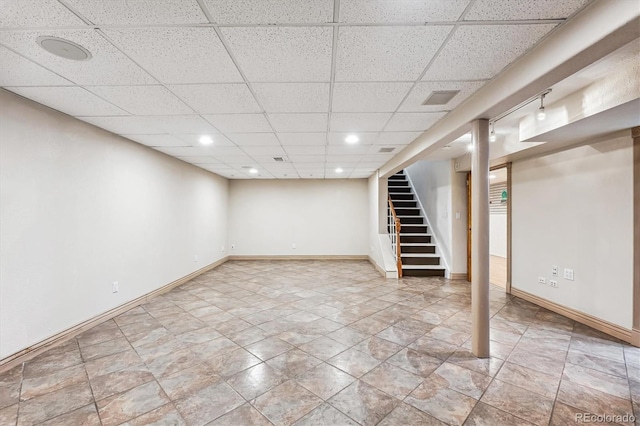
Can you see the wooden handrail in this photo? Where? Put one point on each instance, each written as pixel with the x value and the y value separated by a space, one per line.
pixel 398 226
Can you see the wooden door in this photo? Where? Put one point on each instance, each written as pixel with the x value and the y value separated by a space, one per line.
pixel 469 226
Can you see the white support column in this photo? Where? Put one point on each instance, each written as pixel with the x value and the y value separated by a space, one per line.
pixel 480 238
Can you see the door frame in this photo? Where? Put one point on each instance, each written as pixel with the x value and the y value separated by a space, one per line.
pixel 509 217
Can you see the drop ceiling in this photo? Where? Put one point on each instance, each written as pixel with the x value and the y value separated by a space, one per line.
pixel 268 78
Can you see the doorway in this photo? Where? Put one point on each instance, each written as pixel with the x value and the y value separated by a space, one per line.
pixel 499 226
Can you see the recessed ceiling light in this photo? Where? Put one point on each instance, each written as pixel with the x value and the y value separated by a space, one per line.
pixel 63 48
pixel 492 176
pixel 339 170
pixel 253 171
pixel 352 139
pixel 205 140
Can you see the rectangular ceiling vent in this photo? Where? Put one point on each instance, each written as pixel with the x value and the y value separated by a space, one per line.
pixel 386 150
pixel 278 159
pixel 440 97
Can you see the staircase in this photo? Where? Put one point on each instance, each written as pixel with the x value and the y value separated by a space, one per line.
pixel 418 252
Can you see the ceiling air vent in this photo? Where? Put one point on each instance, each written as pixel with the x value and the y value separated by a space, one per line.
pixel 278 159
pixel 440 97
pixel 386 150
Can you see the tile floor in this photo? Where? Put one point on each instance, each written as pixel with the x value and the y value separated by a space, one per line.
pixel 323 343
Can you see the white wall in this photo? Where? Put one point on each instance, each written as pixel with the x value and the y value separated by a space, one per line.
pixel 322 217
pixel 442 193
pixel 574 209
pixel 498 234
pixel 81 208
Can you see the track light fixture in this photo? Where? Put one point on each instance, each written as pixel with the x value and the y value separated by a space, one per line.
pixel 492 132
pixel 541 113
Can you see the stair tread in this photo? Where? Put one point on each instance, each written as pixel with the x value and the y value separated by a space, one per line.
pixel 419 254
pixel 436 267
pixel 415 234
pixel 418 244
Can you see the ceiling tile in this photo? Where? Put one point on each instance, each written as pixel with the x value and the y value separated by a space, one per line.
pixel 396 138
pixel 499 10
pixel 397 11
pixel 187 151
pixel 144 125
pixel 298 122
pixel 360 174
pixel 293 97
pixel 270 11
pixel 378 157
pixel 347 149
pixel 42 13
pixel 413 121
pixel 142 100
pixel 480 51
pixel 386 53
pixel 421 92
pixel 298 160
pixel 363 122
pixel 178 55
pixel 157 140
pixel 267 151
pixel 239 123
pixel 194 139
pixel 217 98
pixel 302 138
pixel 71 100
pixel 124 12
pixel 368 97
pixel 201 159
pixel 343 160
pixel 365 138
pixel 311 174
pixel 282 54
pixel 18 71
pixel 306 150
pixel 107 65
pixel 254 139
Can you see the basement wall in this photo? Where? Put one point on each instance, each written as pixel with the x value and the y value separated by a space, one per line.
pixel 81 208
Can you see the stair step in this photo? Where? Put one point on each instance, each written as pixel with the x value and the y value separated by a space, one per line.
pixel 397 177
pixel 403 203
pixel 414 220
pixel 417 248
pixel 407 211
pixel 414 229
pixel 417 259
pixel 397 183
pixel 411 272
pixel 399 190
pixel 415 238
pixel 402 197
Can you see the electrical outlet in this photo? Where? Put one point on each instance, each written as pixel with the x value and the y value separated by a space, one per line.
pixel 293 246
pixel 195 257
pixel 554 270
pixel 553 283
pixel 233 246
pixel 114 287
pixel 568 274
pixel 542 280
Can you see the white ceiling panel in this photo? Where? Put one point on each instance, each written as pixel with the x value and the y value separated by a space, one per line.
pixel 298 122
pixel 358 174
pixel 41 13
pixel 157 140
pixel 396 138
pixel 347 150
pixel 127 12
pixel 282 54
pixel 217 98
pixel 368 97
pixel 239 123
pixel 178 55
pixel 306 150
pixel 254 139
pixel 187 151
pixel 18 71
pixel 144 125
pixel 299 160
pixel 365 138
pixel 400 11
pixel 413 121
pixel 107 65
pixel 293 97
pixel 267 152
pixel 359 122
pixel 201 159
pixel 342 160
pixel 302 138
pixel 194 139
pixel 311 174
pixel 480 51
pixel 142 100
pixel 386 53
pixel 494 10
pixel 421 92
pixel 71 100
pixel 270 11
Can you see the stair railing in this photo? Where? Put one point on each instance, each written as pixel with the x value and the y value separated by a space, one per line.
pixel 393 225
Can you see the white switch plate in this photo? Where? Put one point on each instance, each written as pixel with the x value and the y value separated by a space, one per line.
pixel 457 215
pixel 222 248
pixel 114 287
pixel 195 257
pixel 293 245
pixel 568 274
pixel 553 283
pixel 233 246
pixel 554 270
pixel 542 280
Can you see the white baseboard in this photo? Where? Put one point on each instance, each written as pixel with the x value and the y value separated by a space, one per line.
pixel 300 257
